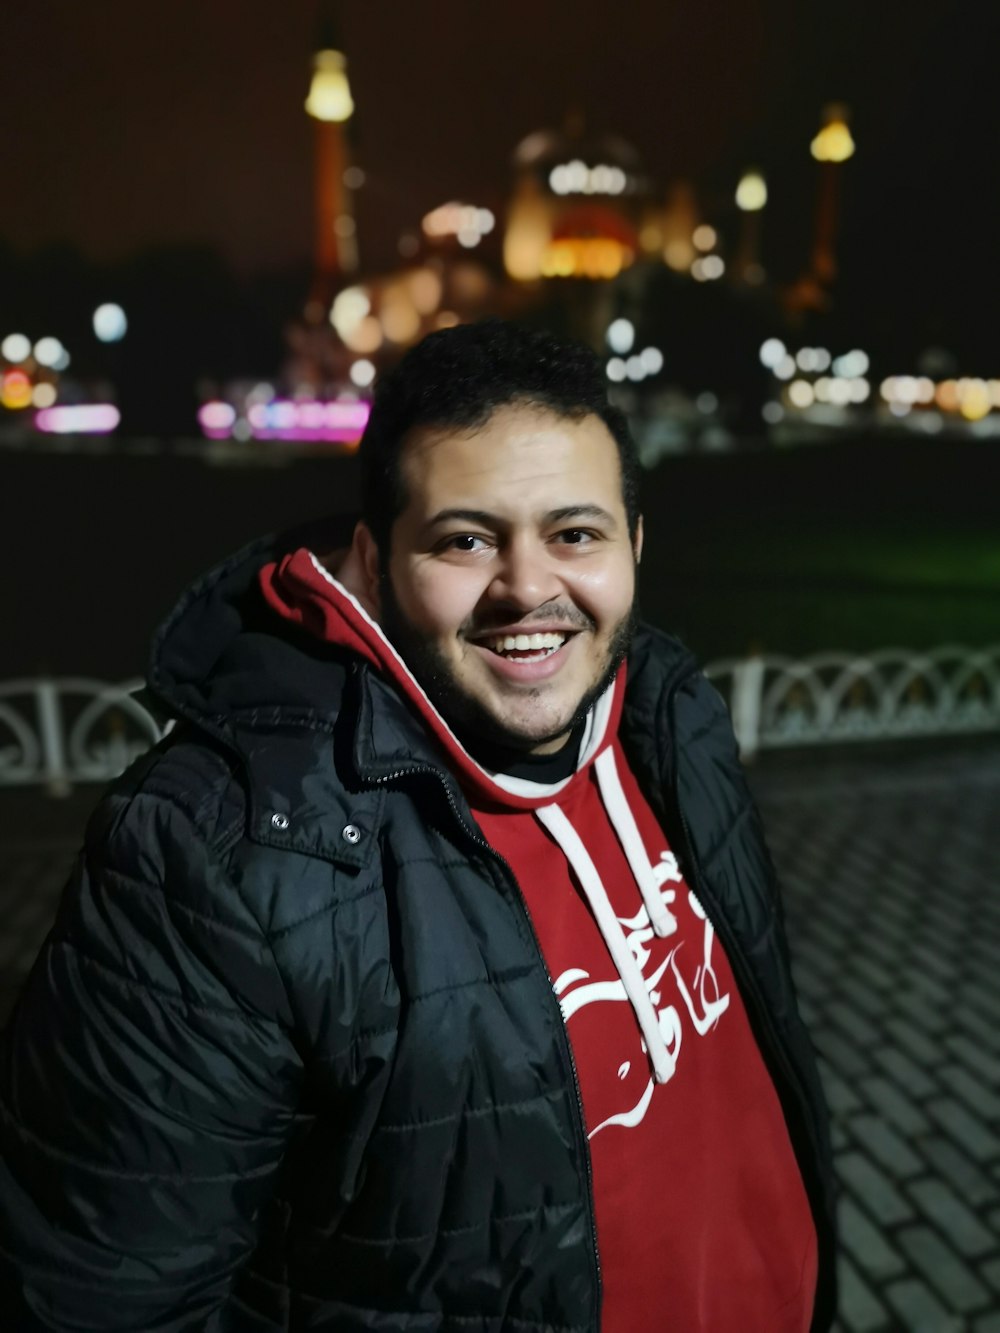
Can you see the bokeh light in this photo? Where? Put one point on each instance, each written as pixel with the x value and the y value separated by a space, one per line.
pixel 110 323
pixel 15 348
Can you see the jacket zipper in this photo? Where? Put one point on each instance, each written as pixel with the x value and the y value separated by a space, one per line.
pixel 580 1124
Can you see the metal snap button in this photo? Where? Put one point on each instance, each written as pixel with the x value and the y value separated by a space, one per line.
pixel 279 821
pixel 351 833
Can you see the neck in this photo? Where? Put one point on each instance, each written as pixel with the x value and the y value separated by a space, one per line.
pixel 556 761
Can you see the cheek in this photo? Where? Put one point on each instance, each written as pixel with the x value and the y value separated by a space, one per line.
pixel 439 598
pixel 605 591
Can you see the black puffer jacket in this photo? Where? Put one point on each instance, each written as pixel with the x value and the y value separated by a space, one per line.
pixel 290 1058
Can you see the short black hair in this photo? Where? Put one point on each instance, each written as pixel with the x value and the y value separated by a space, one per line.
pixel 459 377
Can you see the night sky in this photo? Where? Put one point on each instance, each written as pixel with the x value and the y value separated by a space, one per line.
pixel 128 125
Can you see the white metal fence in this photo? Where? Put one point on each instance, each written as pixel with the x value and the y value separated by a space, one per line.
pixel 834 697
pixel 59 732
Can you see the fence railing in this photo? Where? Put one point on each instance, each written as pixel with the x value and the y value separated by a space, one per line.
pixel 831 698
pixel 60 732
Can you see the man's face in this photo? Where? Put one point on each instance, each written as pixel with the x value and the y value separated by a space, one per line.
pixel 517 528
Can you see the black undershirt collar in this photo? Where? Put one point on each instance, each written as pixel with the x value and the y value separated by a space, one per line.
pixel 544 768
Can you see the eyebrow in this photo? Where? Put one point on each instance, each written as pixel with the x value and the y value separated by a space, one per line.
pixel 488 520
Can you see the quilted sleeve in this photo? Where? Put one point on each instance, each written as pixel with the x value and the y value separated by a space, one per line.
pixel 147 1088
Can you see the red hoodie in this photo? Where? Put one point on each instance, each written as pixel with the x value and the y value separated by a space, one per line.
pixel 703 1224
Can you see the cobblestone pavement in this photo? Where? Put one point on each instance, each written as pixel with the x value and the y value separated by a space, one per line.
pixel 890 870
pixel 892 891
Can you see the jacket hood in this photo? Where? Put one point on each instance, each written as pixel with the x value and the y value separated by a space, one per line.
pixel 222 657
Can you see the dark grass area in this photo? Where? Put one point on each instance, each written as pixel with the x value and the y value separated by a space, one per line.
pixel 854 545
pixel 809 590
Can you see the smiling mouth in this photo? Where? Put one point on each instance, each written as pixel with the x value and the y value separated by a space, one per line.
pixel 525 647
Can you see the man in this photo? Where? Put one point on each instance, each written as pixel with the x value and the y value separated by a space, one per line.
pixel 430 975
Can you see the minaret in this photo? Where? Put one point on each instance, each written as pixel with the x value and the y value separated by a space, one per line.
pixel 330 104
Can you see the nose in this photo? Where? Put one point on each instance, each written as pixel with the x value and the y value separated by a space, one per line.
pixel 525 575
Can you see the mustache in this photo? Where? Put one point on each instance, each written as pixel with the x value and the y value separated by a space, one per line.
pixel 562 612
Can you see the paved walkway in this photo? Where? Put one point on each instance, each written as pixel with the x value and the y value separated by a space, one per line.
pixel 892 890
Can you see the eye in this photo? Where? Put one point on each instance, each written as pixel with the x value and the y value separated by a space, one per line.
pixel 466 543
pixel 575 536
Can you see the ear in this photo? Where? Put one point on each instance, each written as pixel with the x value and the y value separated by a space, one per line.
pixel 637 543
pixel 360 570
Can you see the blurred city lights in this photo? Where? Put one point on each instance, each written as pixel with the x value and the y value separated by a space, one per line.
pixel 973 399
pixel 801 393
pixel 785 369
pixel 772 352
pixel 217 419
pixel 15 390
pixel 577 178
pixel 15 348
pixel 399 317
pixel 621 335
pixel 678 255
pixel 751 193
pixel 772 413
pixel 706 403
pixel 634 368
pixel 805 359
pixel 43 395
pixel 366 337
pixel 652 360
pixel 327 420
pixel 425 289
pixel 110 323
pixel 362 373
pixel 834 142
pixel 329 93
pixel 616 369
pixel 49 351
pixel 354 178
pixel 851 364
pixel 350 316
pixel 303 419
pixel 585 256
pixel 705 237
pixel 464 221
pixel 83 419
pixel 708 268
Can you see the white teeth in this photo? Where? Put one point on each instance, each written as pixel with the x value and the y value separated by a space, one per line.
pixel 526 642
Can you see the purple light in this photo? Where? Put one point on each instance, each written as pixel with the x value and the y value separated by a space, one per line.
pixel 84 419
pixel 341 422
pixel 217 419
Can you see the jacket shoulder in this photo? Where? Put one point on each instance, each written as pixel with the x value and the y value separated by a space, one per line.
pixel 185 773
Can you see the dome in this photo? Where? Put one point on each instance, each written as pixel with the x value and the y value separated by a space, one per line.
pixel 543 149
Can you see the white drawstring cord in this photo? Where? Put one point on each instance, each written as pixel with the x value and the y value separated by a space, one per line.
pixel 552 817
pixel 621 816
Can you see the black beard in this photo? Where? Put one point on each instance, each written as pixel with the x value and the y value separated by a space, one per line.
pixel 473 724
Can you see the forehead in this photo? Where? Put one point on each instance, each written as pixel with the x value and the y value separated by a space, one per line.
pixel 521 458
